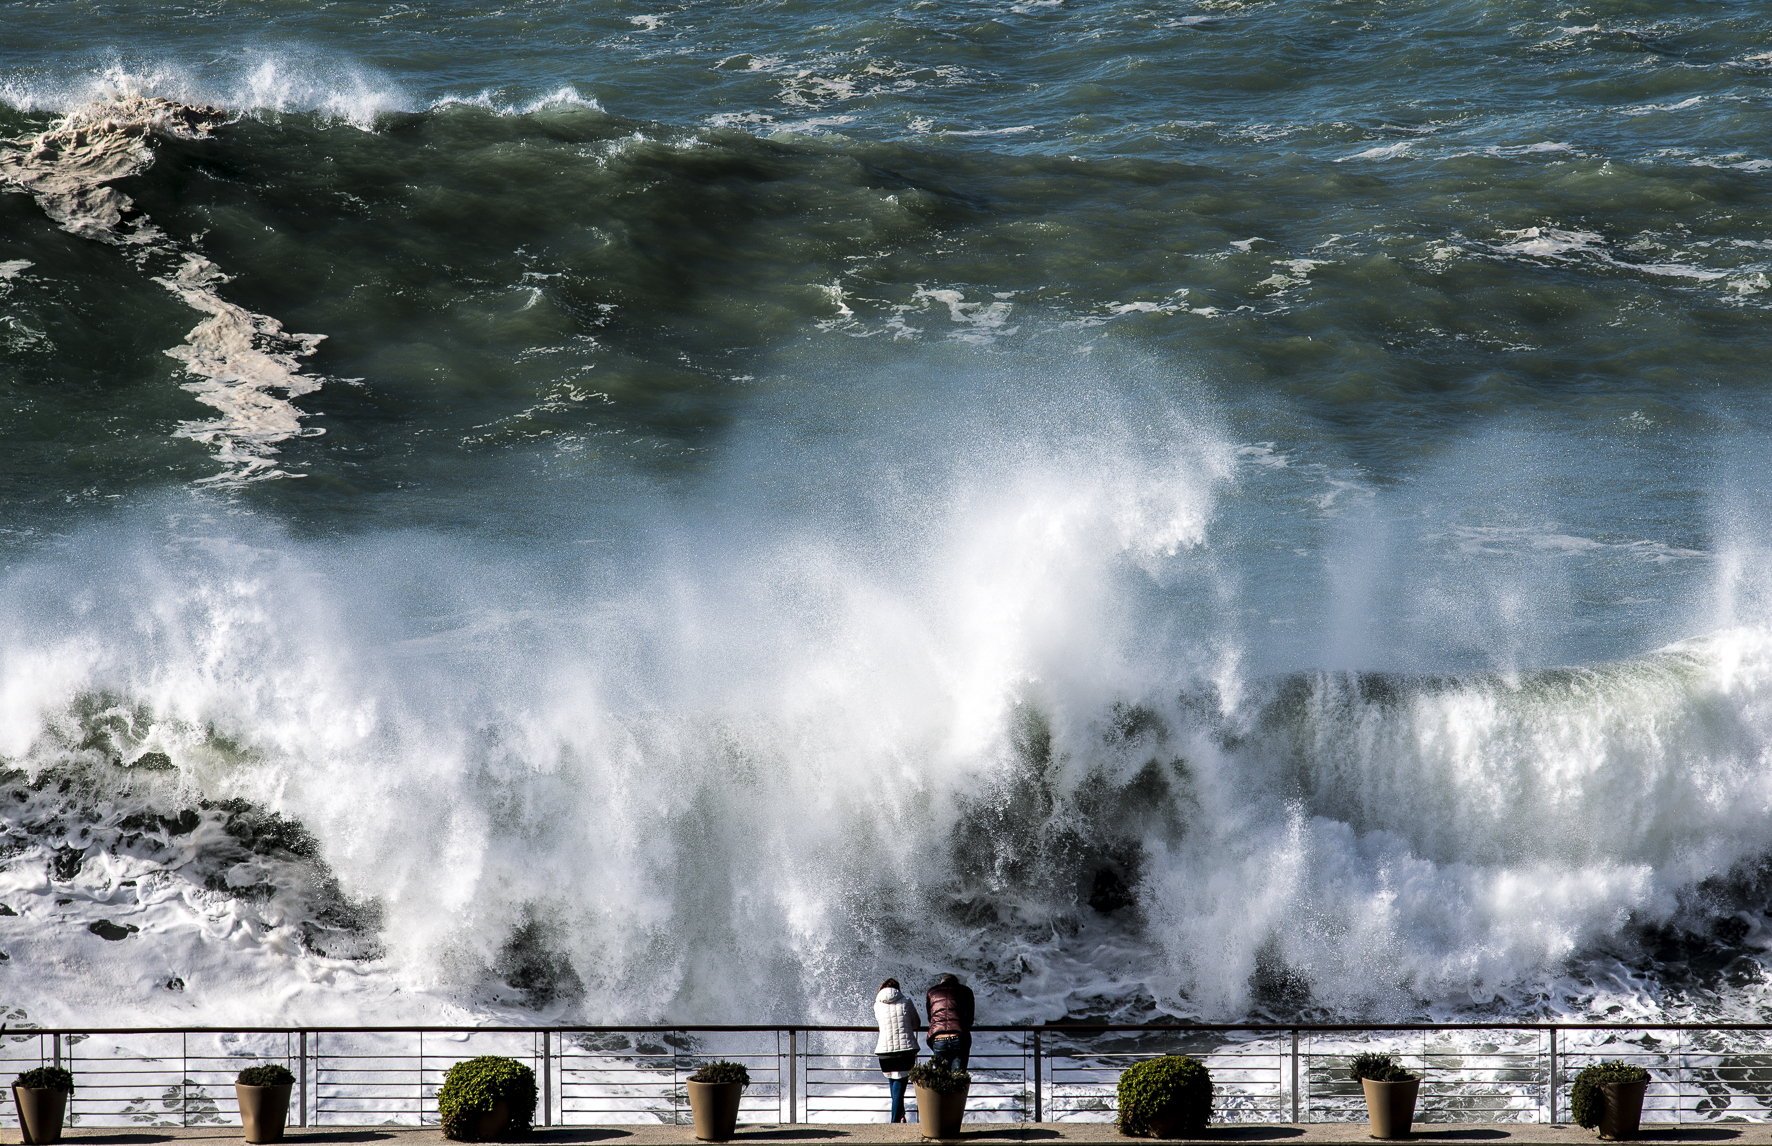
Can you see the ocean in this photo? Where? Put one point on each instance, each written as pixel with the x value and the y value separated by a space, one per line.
pixel 674 512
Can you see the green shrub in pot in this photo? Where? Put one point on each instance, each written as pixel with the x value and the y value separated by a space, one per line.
pixel 41 1096
pixel 47 1078
pixel 1587 1099
pixel 1378 1068
pixel 936 1075
pixel 721 1072
pixel 1165 1096
pixel 472 1092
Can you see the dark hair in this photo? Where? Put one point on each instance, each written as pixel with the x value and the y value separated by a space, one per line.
pixel 893 983
pixel 949 979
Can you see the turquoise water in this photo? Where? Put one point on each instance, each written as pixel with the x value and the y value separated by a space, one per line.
pixel 1302 464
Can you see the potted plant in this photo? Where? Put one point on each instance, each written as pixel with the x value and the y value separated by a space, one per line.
pixel 1610 1095
pixel 41 1098
pixel 941 1098
pixel 1165 1097
pixel 1390 1094
pixel 263 1092
pixel 487 1099
pixel 714 1091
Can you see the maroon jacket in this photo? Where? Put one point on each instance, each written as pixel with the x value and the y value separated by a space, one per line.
pixel 950 1010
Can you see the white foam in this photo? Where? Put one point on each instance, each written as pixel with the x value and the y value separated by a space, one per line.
pixel 1549 242
pixel 982 321
pixel 1297 273
pixel 1566 245
pixel 1646 109
pixel 567 96
pixel 239 357
pixel 1399 150
pixel 260 82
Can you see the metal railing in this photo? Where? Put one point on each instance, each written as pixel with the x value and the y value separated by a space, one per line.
pixel 354 1076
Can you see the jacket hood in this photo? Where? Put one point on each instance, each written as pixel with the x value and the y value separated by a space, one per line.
pixel 889 995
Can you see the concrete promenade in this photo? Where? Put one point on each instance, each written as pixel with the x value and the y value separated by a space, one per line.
pixel 982 1133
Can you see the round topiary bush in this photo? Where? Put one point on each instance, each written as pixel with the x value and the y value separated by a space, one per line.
pixel 1173 1086
pixel 269 1074
pixel 722 1071
pixel 47 1078
pixel 474 1087
pixel 1587 1101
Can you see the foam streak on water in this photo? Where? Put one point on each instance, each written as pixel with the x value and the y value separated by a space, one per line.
pixel 242 358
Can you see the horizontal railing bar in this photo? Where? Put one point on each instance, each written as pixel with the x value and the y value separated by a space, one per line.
pixel 1049 1028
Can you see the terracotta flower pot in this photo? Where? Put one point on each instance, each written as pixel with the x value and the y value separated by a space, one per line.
pixel 1623 1113
pixel 40 1114
pixel 264 1111
pixel 1390 1106
pixel 940 1115
pixel 715 1107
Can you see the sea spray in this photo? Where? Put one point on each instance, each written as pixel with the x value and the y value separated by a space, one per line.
pixel 734 765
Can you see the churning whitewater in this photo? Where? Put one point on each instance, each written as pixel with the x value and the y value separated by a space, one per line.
pixel 1225 512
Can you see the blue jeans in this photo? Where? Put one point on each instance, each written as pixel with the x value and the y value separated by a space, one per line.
pixel 897 1098
pixel 955 1050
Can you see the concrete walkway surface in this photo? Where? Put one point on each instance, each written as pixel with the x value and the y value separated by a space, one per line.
pixel 982 1133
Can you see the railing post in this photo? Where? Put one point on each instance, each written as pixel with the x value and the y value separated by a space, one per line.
pixel 55 1041
pixel 1297 1079
pixel 1553 1074
pixel 302 1075
pixel 547 1083
pixel 793 1077
pixel 1039 1099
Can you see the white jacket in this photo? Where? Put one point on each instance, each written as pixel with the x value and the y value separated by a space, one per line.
pixel 897 1017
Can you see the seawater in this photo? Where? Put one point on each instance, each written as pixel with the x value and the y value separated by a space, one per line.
pixel 635 512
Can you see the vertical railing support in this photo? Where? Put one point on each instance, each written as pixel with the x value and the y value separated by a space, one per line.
pixel 793 1077
pixel 302 1075
pixel 184 1079
pixel 55 1041
pixel 547 1082
pixel 1039 1097
pixel 1552 1104
pixel 1297 1079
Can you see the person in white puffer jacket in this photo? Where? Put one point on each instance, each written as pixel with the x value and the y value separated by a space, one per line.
pixel 897 1047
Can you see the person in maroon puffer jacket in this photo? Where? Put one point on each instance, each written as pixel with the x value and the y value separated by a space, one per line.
pixel 950 1021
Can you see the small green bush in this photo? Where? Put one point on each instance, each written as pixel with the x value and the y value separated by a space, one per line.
pixel 722 1071
pixel 269 1074
pixel 937 1075
pixel 474 1087
pixel 46 1078
pixel 1173 1084
pixel 1587 1102
pixel 1378 1068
